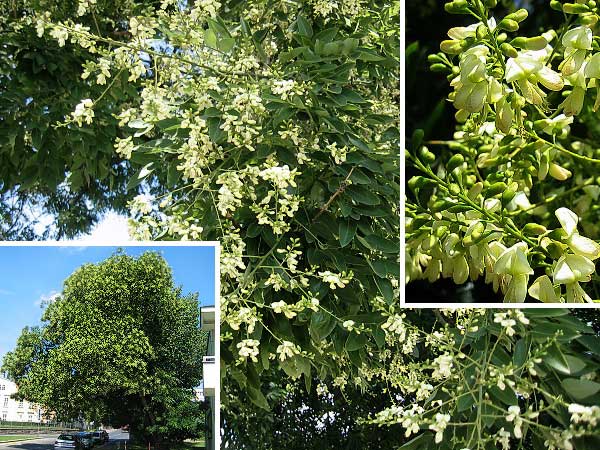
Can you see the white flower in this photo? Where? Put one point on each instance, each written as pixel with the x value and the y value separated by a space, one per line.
pixel 287 350
pixel 514 262
pixel 579 244
pixel 440 424
pixel 584 414
pixel 528 69
pixel 503 438
pixel 282 307
pixel 349 324
pixel 573 269
pixel 543 290
pixel 514 415
pixel 335 280
pixel 124 147
pixel 60 34
pixel 83 112
pixel 504 320
pixel 442 367
pixel 577 42
pixel 248 348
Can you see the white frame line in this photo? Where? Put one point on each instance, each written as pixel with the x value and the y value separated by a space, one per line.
pixel 216 301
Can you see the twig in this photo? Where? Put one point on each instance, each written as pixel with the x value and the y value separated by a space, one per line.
pixel 342 188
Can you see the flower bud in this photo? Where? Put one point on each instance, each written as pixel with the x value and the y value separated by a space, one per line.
pixel 509 50
pixel 426 155
pixel 481 32
pixel 535 229
pixel 462 115
pixel 451 47
pixel 544 165
pixel 533 43
pixel 417 223
pixel 419 182
pixel 490 3
pixel 456 7
pixel 441 231
pixel 556 5
pixel 508 25
pixel 477 231
pixel 438 67
pixel 454 189
pixel 495 189
pixel 440 205
pixel 508 195
pixel 589 20
pixel 460 274
pixel 518 16
pixel 558 173
pixel 454 162
pixel 575 8
pixel 434 58
pixel 504 116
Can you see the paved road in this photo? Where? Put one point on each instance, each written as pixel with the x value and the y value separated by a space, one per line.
pixel 116 437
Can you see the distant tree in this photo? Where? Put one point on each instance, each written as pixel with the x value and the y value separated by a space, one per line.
pixel 121 343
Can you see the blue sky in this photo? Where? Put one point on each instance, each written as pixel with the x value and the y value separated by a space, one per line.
pixel 30 274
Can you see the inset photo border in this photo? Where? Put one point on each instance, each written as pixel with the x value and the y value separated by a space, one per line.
pixel 499 181
pixel 53 298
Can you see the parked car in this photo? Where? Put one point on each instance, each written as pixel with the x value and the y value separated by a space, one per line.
pixel 68 440
pixel 86 439
pixel 100 437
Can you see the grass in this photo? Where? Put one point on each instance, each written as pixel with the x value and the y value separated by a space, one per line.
pixel 185 446
pixel 16 438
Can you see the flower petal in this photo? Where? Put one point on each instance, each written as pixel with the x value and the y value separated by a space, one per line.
pixel 568 220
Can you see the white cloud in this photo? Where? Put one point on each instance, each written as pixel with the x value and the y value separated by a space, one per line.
pixel 112 228
pixel 46 299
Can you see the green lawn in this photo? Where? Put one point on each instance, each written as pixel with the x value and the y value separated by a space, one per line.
pixel 185 446
pixel 16 437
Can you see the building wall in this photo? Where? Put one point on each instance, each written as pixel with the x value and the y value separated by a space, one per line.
pixel 210 375
pixel 14 410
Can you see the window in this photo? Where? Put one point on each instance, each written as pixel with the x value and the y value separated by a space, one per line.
pixel 4 416
pixel 2 387
pixel 6 401
pixel 20 403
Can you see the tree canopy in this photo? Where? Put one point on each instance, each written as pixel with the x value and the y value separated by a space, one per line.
pixel 120 345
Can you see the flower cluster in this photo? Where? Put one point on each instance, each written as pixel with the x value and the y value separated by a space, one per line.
pixel 487 206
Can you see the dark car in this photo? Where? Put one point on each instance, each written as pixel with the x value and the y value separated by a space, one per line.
pixel 86 439
pixel 68 440
pixel 100 437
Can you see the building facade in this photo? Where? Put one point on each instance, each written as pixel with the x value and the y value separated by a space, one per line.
pixel 210 382
pixel 12 410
